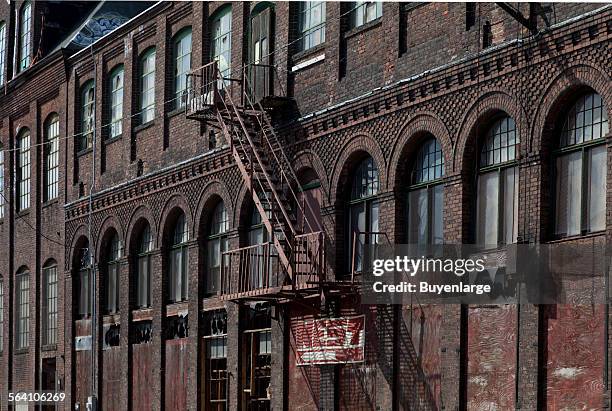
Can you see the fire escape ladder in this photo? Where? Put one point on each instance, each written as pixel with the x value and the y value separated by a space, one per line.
pixel 268 174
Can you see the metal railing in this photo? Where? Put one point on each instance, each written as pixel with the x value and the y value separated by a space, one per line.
pixel 251 270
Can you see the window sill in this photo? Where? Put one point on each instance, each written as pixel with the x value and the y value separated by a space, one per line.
pixel 21 351
pixel 178 308
pixel 144 126
pixel 363 28
pixel 49 347
pixel 593 234
pixel 304 54
pixel 84 152
pixel 114 318
pixel 142 314
pixel 175 112
pixel 111 140
pixel 23 212
pixel 49 203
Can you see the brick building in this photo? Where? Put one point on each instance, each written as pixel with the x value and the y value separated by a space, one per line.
pixel 154 217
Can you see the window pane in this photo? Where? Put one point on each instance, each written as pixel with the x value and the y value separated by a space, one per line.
pixel 510 205
pixel 51 309
pixel 25 37
pixel 52 159
pixel 569 185
pixel 2 51
pixel 358 225
pixel 597 189
pixel 417 220
pixel 587 120
pixel 1 183
pixel 147 87
pixel 500 144
pixel 437 218
pixel 312 23
pixel 182 54
pixel 222 41
pixel 365 180
pixel 429 162
pixel 23 310
pixel 143 285
pixel 116 102
pixel 23 171
pixel 487 209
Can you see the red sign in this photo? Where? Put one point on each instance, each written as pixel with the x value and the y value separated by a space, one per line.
pixel 331 341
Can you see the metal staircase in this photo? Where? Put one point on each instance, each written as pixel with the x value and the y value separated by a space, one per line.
pixel 292 261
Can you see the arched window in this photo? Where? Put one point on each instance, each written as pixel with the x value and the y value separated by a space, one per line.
pixel 2 51
pixel 51 152
pixel 82 266
pixel 221 45
pixel 22 308
pixel 111 278
pixel 23 170
pixel 143 268
pixel 363 12
pixel 147 86
pixel 182 65
pixel 363 211
pixel 1 181
pixel 25 36
pixel 497 198
pixel 85 138
pixel 50 307
pixel 178 278
pixel 216 245
pixel 311 23
pixel 581 168
pixel 1 314
pixel 309 197
pixel 426 195
pixel 116 102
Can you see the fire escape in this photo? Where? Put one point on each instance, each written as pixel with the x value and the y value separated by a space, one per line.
pixel 291 260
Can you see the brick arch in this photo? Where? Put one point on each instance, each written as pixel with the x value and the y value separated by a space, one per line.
pixel 349 155
pixel 408 140
pixel 309 159
pixel 242 206
pixel 139 216
pixel 78 237
pixel 109 224
pixel 175 204
pixel 556 97
pixel 212 193
pixel 488 105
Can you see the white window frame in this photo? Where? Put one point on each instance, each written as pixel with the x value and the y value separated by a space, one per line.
pixel 147 86
pixel 364 12
pixel 221 44
pixel 116 101
pixel 312 22
pixel 24 172
pixel 2 51
pixel 182 48
pixel 25 36
pixel 51 151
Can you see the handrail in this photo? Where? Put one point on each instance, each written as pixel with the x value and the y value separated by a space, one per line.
pixel 273 152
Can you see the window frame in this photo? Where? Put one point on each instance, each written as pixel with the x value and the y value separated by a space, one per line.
pixel 51 158
pixel 22 308
pixel 215 374
pixel 3 41
pixel 584 147
pixel 50 305
pixel 24 170
pixel 87 109
pixel 499 168
pixel 179 90
pixel 306 30
pixel 368 201
pixel 147 108
pixel 214 236
pixel 143 255
pixel 115 102
pixel 25 37
pixel 112 270
pixel 359 12
pixel 430 185
pixel 179 279
pixel 216 39
pixel 83 276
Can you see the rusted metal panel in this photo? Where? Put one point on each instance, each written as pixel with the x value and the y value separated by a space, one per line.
pixel 491 358
pixel 575 357
pixel 142 375
pixel 111 379
pixel 176 367
pixel 419 365
pixel 304 381
pixel 82 365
